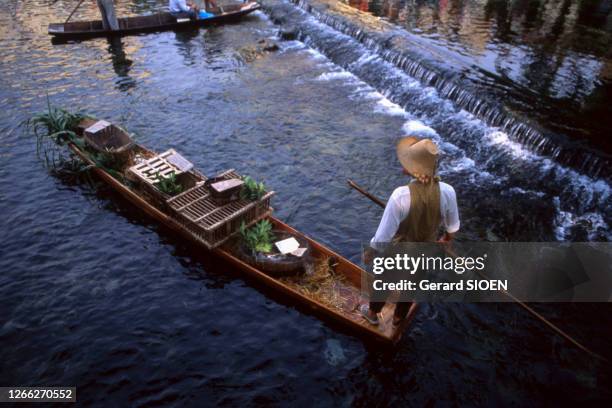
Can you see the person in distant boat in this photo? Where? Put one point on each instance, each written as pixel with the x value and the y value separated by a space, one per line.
pixel 414 212
pixel 183 9
pixel 107 10
pixel 211 3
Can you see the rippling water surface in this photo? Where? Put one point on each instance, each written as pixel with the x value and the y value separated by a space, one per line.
pixel 96 295
pixel 551 57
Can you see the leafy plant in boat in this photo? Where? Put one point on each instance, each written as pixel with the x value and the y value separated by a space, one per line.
pixel 252 190
pixel 259 238
pixel 168 185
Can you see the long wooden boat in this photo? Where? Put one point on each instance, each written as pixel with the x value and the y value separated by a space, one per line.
pixel 347 314
pixel 150 23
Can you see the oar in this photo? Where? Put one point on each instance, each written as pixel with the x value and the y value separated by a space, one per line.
pixel 505 292
pixel 74 10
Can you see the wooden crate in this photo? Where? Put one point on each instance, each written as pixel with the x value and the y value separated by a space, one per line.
pixel 145 173
pixel 213 223
pixel 163 164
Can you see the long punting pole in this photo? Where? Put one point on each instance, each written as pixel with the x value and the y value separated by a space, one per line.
pixel 505 292
pixel 74 10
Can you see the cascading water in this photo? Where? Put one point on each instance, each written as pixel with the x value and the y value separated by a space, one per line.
pixel 398 48
pixel 496 151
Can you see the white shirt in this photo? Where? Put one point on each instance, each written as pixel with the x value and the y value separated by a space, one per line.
pixel 398 207
pixel 176 6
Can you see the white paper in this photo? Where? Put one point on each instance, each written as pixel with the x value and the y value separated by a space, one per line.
pixel 179 162
pixel 98 126
pixel 287 245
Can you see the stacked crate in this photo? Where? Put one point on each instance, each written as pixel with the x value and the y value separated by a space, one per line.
pixel 215 223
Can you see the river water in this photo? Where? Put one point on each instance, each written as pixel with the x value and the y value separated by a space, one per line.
pixel 552 58
pixel 96 295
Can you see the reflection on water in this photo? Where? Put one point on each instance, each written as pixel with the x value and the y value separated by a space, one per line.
pixel 121 63
pixel 92 293
pixel 558 50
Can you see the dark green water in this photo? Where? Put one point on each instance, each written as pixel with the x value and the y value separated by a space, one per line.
pixel 97 296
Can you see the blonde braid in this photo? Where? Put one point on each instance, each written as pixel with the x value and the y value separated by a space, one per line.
pixel 425 178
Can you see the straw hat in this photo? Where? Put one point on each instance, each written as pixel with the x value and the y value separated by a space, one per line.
pixel 418 156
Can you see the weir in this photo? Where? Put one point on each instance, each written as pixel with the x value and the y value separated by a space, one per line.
pixel 432 67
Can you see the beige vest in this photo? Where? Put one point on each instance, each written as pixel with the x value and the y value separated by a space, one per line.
pixel 423 220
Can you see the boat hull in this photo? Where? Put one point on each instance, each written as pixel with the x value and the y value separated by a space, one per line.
pixel 143 24
pixel 385 333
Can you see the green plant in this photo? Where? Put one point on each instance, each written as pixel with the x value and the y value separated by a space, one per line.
pixel 168 185
pixel 51 129
pixel 252 190
pixel 74 172
pixel 258 238
pixel 108 162
pixel 58 123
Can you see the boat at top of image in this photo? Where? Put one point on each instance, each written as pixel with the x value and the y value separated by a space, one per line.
pixel 151 23
pixel 210 213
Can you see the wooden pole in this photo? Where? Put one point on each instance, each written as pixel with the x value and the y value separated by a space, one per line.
pixel 74 10
pixel 365 193
pixel 505 292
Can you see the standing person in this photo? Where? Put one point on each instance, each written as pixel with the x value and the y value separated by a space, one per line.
pixel 210 4
pixel 207 5
pixel 107 10
pixel 415 211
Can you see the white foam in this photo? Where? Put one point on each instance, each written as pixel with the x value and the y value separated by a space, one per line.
pixel 519 190
pixel 339 75
pixel 364 59
pixel 502 140
pixel 315 54
pixel 386 106
pixel 418 128
pixel 366 93
pixel 261 15
pixel 293 45
pixel 565 220
pixel 362 91
pixel 460 164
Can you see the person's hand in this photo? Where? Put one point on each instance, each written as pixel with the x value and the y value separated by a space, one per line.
pixel 446 238
pixel 446 242
pixel 368 256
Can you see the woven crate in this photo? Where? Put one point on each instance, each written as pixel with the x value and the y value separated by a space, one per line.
pixel 105 137
pixel 213 223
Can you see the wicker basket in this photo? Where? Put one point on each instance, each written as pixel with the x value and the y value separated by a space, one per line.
pixel 281 265
pixel 212 223
pixel 105 137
